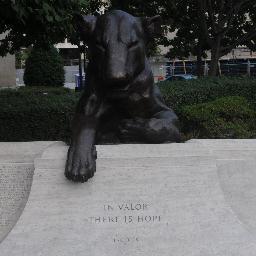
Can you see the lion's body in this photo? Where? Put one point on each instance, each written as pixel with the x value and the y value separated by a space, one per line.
pixel 121 102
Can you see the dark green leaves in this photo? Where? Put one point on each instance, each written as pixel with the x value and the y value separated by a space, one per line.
pixel 43 22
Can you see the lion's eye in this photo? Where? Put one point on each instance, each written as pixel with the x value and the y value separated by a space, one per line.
pixel 133 44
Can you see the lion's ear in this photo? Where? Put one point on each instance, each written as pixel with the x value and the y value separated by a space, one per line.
pixel 86 26
pixel 152 26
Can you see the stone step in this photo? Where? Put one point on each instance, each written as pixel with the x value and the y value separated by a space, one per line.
pixel 14 148
pixel 238 142
pixel 15 185
pixel 18 158
pixel 23 152
pixel 186 199
pixel 237 180
pixel 151 155
pixel 129 211
pixel 233 154
pixel 132 155
pixel 134 151
pixel 152 162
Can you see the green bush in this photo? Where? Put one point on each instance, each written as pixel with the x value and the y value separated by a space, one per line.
pixel 29 114
pixel 44 113
pixel 227 117
pixel 180 93
pixel 44 67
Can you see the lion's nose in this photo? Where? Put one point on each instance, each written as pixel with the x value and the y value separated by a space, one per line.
pixel 118 78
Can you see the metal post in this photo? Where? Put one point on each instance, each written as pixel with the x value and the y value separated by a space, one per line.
pixel 184 67
pixel 206 68
pixel 249 68
pixel 84 60
pixel 80 69
pixel 219 68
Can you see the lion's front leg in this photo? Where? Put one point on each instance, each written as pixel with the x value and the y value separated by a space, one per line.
pixel 81 158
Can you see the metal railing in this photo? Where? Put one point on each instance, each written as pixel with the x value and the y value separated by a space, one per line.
pixel 247 67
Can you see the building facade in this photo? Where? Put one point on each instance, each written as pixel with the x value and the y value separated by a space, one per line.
pixel 7 70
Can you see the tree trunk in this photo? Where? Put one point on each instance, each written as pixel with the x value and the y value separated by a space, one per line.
pixel 215 56
pixel 199 62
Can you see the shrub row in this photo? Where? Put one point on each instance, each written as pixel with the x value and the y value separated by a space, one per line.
pixel 179 94
pixel 36 114
pixel 223 118
pixel 39 113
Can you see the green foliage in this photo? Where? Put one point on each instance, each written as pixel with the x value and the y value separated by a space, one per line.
pixel 44 113
pixel 200 25
pixel 188 93
pixel 216 25
pixel 138 7
pixel 180 93
pixel 42 22
pixel 21 57
pixel 142 8
pixel 36 113
pixel 189 38
pixel 227 117
pixel 44 67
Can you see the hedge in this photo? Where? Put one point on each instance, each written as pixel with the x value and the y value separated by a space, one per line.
pixel 224 118
pixel 180 93
pixel 39 113
pixel 36 114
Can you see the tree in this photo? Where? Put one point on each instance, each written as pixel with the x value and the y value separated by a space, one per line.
pixel 218 26
pixel 44 67
pixel 142 8
pixel 39 22
pixel 188 38
pixel 225 25
pixel 138 7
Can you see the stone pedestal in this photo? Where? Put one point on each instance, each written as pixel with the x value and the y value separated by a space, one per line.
pixel 192 199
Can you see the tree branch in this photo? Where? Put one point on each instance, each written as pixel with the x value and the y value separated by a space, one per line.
pixel 233 10
pixel 248 36
pixel 202 21
pixel 222 4
pixel 230 17
pixel 211 15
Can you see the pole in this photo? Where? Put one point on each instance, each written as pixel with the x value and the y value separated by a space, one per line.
pixel 249 68
pixel 84 61
pixel 184 67
pixel 219 68
pixel 80 69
